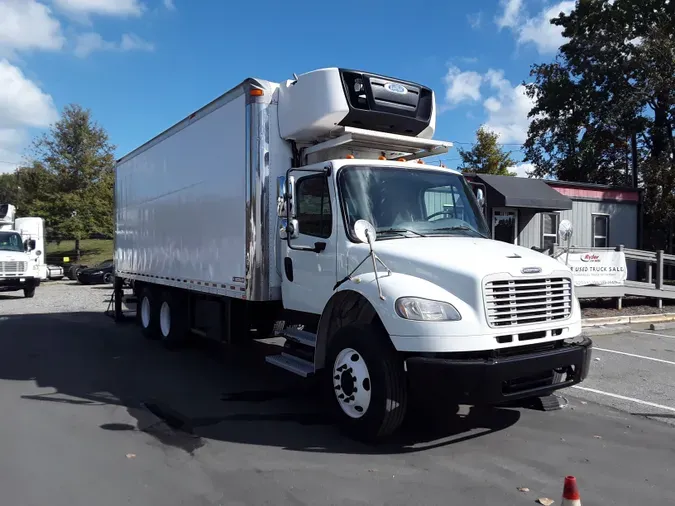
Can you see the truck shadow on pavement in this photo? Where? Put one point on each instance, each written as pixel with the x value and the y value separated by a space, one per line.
pixel 187 398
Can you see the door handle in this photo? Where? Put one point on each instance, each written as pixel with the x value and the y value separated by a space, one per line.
pixel 288 268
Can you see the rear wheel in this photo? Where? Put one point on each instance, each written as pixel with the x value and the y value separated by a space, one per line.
pixel 366 378
pixel 147 314
pixel 173 320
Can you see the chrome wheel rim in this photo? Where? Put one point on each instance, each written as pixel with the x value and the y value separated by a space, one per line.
pixel 165 319
pixel 145 312
pixel 351 383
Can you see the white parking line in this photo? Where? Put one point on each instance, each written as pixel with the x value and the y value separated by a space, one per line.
pixel 636 356
pixel 652 334
pixel 622 397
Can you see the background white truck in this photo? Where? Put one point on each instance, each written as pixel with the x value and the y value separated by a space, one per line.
pixel 304 209
pixel 17 269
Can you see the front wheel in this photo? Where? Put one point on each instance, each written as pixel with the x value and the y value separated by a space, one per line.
pixel 29 292
pixel 367 381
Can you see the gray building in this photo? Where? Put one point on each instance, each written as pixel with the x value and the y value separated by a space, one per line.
pixel 528 211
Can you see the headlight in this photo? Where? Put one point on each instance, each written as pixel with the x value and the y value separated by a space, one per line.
pixel 36 267
pixel 414 308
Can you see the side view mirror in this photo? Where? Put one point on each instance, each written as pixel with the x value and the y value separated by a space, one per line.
pixel 281 196
pixel 565 231
pixel 285 196
pixel 365 232
pixel 480 196
pixel 29 244
pixel 292 229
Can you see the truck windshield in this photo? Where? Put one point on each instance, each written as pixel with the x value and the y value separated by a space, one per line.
pixel 10 241
pixel 402 202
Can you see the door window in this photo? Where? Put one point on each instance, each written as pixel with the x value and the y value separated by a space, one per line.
pixel 313 210
pixel 505 225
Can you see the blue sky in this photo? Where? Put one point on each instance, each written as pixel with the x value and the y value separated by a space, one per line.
pixel 142 65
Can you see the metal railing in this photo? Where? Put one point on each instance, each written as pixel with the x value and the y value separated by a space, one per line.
pixel 653 285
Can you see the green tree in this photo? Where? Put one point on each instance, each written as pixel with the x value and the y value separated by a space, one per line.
pixel 607 103
pixel 486 156
pixel 79 164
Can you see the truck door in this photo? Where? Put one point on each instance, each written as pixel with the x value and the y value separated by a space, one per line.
pixel 310 257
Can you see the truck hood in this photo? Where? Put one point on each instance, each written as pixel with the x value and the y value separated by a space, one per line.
pixel 467 256
pixel 460 264
pixel 13 256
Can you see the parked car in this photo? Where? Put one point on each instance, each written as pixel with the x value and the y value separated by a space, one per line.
pixel 102 273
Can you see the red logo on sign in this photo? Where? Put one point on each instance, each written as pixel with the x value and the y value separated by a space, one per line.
pixel 590 257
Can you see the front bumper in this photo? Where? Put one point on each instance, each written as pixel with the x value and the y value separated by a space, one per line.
pixel 499 378
pixel 18 282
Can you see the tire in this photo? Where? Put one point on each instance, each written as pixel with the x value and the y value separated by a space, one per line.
pixel 384 393
pixel 108 278
pixel 147 314
pixel 29 292
pixel 173 322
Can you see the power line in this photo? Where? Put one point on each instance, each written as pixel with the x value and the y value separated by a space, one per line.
pixel 500 143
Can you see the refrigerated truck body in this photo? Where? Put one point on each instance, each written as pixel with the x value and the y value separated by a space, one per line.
pixel 305 209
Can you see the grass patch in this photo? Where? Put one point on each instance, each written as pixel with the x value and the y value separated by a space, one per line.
pixel 94 251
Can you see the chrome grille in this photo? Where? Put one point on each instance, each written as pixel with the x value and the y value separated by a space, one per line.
pixel 12 268
pixel 522 301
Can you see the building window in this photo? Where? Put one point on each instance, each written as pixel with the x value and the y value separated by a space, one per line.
pixel 549 230
pixel 313 210
pixel 600 231
pixel 505 225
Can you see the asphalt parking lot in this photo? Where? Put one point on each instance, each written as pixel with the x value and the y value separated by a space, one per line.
pixel 94 414
pixel 633 370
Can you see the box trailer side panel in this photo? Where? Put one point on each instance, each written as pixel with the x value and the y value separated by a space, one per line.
pixel 180 204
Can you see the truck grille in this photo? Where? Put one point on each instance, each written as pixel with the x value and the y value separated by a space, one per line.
pixel 523 301
pixel 12 268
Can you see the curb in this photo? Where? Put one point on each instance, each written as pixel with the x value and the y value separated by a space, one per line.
pixel 626 320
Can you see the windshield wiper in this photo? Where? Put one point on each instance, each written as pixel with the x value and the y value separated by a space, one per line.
pixel 400 231
pixel 452 229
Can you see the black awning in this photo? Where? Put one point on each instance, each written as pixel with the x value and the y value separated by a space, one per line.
pixel 509 191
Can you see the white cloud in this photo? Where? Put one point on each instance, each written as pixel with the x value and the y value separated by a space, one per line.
pixel 510 14
pixel 506 105
pixel 83 8
pixel 22 102
pixel 537 30
pixel 523 169
pixel 475 20
pixel 170 5
pixel 462 86
pixel 27 24
pixel 507 109
pixel 22 105
pixel 131 42
pixel 91 42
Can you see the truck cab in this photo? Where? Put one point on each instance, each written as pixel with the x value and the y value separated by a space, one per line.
pixel 17 271
pixel 395 256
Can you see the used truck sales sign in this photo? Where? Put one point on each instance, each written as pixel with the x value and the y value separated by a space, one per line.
pixel 600 268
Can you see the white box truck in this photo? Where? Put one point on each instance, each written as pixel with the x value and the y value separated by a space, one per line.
pixel 304 209
pixel 18 271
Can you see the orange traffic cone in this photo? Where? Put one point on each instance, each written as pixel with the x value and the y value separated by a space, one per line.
pixel 571 495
